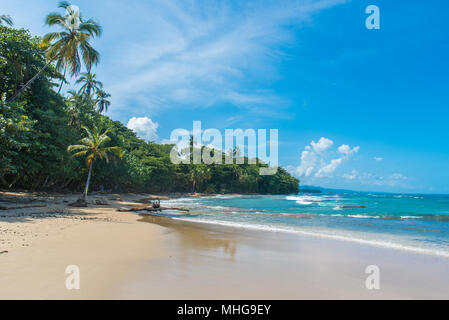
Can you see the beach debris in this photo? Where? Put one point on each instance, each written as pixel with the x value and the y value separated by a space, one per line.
pixel 115 197
pixel 4 252
pixel 18 200
pixel 22 207
pixel 151 209
pixel 100 201
pixel 80 203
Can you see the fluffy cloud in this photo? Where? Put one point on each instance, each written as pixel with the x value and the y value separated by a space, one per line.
pixel 345 149
pixel 315 160
pixel 329 169
pixel 322 145
pixel 308 162
pixel 144 127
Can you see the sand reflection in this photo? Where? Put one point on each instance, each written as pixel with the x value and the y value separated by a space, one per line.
pixel 195 236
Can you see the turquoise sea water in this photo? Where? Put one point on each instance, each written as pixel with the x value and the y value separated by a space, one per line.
pixel 417 223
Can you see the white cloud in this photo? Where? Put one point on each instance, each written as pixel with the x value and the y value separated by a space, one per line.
pixel 308 162
pixel 198 54
pixel 315 161
pixel 144 127
pixel 370 179
pixel 322 145
pixel 345 149
pixel 379 159
pixel 351 176
pixel 329 169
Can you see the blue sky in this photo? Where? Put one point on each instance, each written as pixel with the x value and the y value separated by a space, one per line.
pixel 355 108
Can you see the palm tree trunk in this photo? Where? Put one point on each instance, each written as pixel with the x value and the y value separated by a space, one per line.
pixel 21 90
pixel 62 81
pixel 86 191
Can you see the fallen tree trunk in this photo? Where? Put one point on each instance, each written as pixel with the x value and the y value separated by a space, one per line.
pixel 151 209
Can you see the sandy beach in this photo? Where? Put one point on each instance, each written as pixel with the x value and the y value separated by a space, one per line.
pixel 125 256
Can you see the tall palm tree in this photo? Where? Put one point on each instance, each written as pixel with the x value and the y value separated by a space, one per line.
pixel 103 103
pixel 93 147
pixel 90 83
pixel 4 18
pixel 65 46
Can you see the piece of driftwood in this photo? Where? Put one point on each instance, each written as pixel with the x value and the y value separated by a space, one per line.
pixel 151 209
pixel 23 207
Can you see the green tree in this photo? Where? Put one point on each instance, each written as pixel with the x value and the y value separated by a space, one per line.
pixel 89 83
pixel 102 101
pixel 4 18
pixel 93 147
pixel 64 47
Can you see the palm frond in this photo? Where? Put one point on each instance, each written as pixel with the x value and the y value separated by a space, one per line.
pixel 76 148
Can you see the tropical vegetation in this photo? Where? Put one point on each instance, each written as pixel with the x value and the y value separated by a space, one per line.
pixel 39 125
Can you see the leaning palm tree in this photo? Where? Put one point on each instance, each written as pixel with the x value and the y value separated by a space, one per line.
pixel 89 83
pixel 65 47
pixel 6 19
pixel 103 103
pixel 93 147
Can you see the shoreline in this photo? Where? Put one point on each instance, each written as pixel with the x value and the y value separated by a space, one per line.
pixel 335 237
pixel 127 256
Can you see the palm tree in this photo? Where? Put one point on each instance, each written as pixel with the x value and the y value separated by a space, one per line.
pixel 93 147
pixel 65 47
pixel 90 83
pixel 198 175
pixel 4 18
pixel 72 103
pixel 102 101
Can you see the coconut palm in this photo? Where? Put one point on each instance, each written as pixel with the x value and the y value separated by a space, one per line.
pixel 89 83
pixel 65 47
pixel 5 19
pixel 102 101
pixel 93 147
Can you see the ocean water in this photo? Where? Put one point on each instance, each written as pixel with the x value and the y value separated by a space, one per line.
pixel 416 223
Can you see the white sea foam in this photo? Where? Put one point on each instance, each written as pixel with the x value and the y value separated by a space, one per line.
pixel 361 216
pixel 304 198
pixel 304 203
pixel 346 238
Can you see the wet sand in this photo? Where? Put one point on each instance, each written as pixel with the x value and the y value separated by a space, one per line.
pixel 215 262
pixel 125 256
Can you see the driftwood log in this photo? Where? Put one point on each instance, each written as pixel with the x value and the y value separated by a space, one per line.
pixel 151 209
